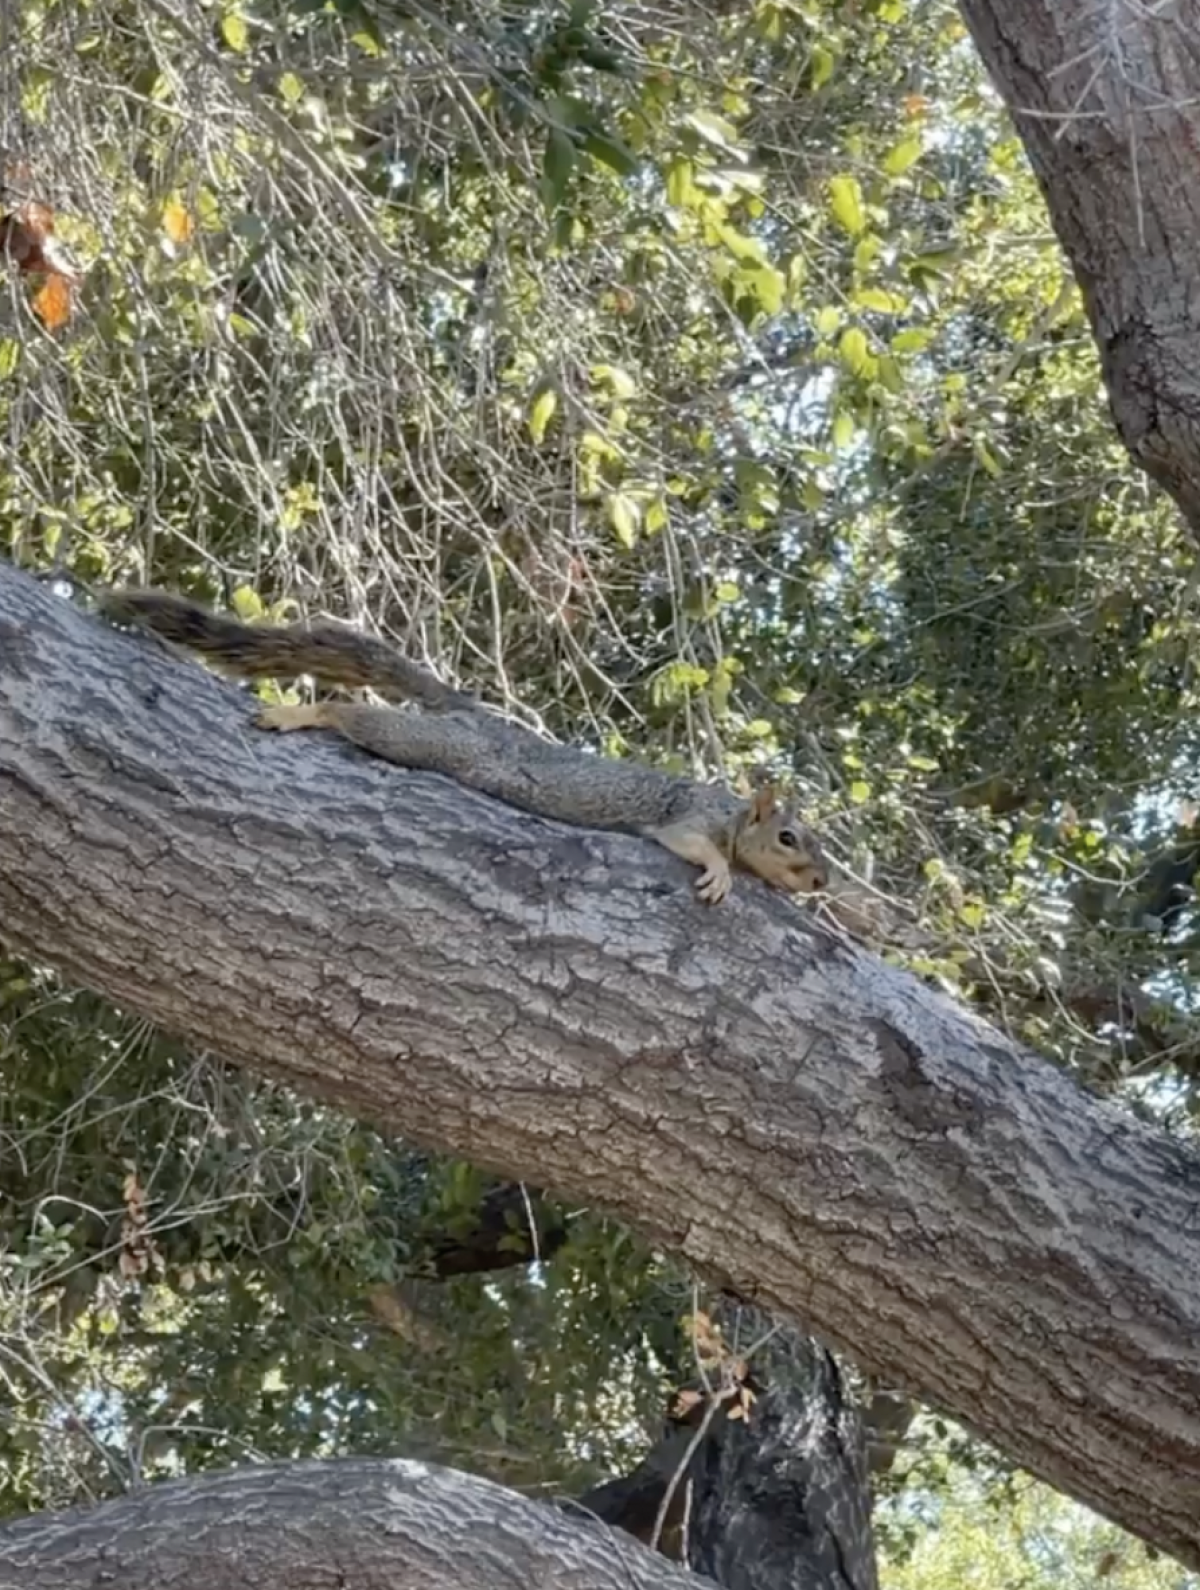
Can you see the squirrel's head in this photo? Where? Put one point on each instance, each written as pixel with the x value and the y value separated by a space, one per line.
pixel 773 843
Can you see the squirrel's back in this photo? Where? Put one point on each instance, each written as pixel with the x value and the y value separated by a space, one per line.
pixel 705 824
pixel 327 651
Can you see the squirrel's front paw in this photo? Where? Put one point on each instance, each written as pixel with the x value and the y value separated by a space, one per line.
pixel 715 883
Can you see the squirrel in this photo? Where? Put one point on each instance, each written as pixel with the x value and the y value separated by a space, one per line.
pixel 457 736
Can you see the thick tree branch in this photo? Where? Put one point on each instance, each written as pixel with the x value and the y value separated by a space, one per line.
pixel 370 1524
pixel 1106 99
pixel 813 1129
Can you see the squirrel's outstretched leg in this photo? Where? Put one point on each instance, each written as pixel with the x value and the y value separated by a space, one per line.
pixel 686 840
pixel 285 718
pixel 463 745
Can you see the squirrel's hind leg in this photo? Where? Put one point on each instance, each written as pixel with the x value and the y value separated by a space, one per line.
pixel 286 718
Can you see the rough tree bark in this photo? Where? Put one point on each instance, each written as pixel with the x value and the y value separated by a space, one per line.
pixel 366 1524
pixel 1106 99
pixel 814 1130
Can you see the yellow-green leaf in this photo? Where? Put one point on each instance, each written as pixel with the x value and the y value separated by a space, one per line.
pixel 624 516
pixel 822 62
pixel 235 32
pixel 911 341
pixel 906 153
pixel 679 182
pixel 765 285
pixel 247 603
pixel 876 298
pixel 619 382
pixel 854 352
pixel 291 88
pixel 845 200
pixel 866 252
pixel 860 792
pixel 829 318
pixel 656 515
pixel 541 413
pixel 714 130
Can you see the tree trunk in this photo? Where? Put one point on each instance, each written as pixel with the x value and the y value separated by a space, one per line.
pixel 816 1131
pixel 356 1524
pixel 1106 99
pixel 776 1501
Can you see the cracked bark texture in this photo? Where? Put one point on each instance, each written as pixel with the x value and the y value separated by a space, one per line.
pixel 815 1131
pixel 1105 95
pixel 356 1524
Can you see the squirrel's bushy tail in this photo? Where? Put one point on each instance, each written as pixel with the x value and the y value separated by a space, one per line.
pixel 330 652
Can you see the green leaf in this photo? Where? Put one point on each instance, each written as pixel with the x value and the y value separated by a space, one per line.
pixel 764 285
pixel 860 792
pixel 619 382
pixel 656 515
pixel 541 413
pixel 611 152
pixel 828 319
pixel 843 430
pixel 291 88
pixel 235 32
pixel 905 154
pixel 679 183
pixel 823 62
pixel 854 352
pixel 714 130
pixel 10 356
pixel 866 252
pixel 247 603
pixel 876 298
pixel 911 341
pixel 557 166
pixel 624 516
pixel 370 40
pixel 845 200
pixel 746 250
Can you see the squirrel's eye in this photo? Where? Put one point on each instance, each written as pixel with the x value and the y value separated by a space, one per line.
pixel 788 838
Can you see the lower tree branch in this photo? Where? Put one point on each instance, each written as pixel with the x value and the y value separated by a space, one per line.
pixel 367 1524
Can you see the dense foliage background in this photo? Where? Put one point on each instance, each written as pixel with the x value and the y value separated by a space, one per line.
pixel 703 383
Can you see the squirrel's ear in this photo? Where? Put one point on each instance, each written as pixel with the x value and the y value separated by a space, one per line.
pixel 762 803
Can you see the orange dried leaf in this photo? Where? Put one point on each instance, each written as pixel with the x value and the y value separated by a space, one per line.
pixel 52 302
pixel 177 222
